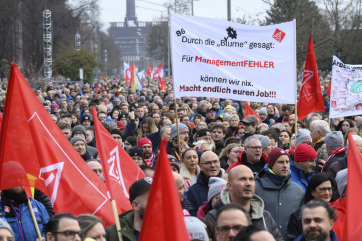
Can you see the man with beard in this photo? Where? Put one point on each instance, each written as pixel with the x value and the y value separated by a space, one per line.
pixel 131 221
pixel 15 210
pixel 317 221
pixel 146 145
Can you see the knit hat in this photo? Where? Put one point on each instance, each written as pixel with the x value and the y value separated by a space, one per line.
pixel 304 152
pixel 263 110
pixel 203 132
pixel 109 107
pixel 275 153
pixel 116 131
pixel 136 152
pixel 138 187
pixel 196 229
pixel 181 127
pixel 251 119
pixel 303 136
pixel 341 180
pixel 55 105
pixel 226 116
pixel 79 128
pixel 334 140
pixel 265 141
pixel 77 138
pixel 216 184
pixel 120 125
pixel 358 120
pixel 143 141
pixel 175 164
pixel 85 117
pixel 271 133
pixel 4 224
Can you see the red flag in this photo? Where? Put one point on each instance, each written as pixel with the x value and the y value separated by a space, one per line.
pixel 119 175
pixel 96 88
pixel 33 148
pixel 329 89
pixel 161 84
pixel 352 228
pixel 132 69
pixel 1 120
pixel 149 71
pixel 163 219
pixel 310 96
pixel 157 71
pixel 250 111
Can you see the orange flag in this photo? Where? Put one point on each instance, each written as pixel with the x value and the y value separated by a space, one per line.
pixel 35 153
pixel 119 170
pixel 353 228
pixel 163 219
pixel 250 111
pixel 310 96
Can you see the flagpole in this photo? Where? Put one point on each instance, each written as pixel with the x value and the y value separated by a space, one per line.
pixel 34 219
pixel 296 120
pixel 178 134
pixel 118 224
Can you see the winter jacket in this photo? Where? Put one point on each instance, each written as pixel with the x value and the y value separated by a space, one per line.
pixel 41 197
pixel 154 138
pixel 197 194
pixel 259 216
pixel 173 151
pixel 333 160
pixel 294 228
pixel 337 166
pixel 93 152
pixel 280 202
pixel 127 229
pixel 218 147
pixel 26 220
pixel 129 130
pixel 332 237
pixel 185 173
pixel 340 209
pixel 299 177
pixel 321 149
pixel 256 168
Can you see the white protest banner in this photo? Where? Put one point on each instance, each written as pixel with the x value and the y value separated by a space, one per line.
pixel 346 89
pixel 216 58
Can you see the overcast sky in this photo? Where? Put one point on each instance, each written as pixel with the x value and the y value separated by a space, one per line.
pixel 115 10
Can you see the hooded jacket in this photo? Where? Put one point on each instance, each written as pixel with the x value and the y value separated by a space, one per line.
pixel 281 202
pixel 259 216
pixel 340 209
pixel 242 160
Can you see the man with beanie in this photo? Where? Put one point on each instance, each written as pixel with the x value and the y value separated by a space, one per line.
pixel 274 185
pixel 149 157
pixel 209 167
pixel 241 190
pixel 303 165
pixel 196 229
pixel 172 147
pixel 117 136
pixel 131 221
pixel 137 155
pixel 6 232
pixel 340 204
pixel 80 146
pixel 335 148
pixel 216 184
pixel 303 136
pixel 263 114
pixel 80 130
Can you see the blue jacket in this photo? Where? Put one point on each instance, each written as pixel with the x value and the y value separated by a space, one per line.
pixel 29 232
pixel 155 139
pixel 299 177
pixel 332 237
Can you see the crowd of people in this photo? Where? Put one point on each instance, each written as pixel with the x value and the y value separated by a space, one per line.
pixel 238 177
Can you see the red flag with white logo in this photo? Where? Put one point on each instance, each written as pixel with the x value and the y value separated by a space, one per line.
pixel 119 170
pixel 157 71
pixel 149 71
pixel 310 96
pixel 35 153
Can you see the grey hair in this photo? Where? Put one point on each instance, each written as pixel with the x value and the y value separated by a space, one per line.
pixel 247 140
pixel 356 139
pixel 162 132
pixel 311 115
pixel 322 126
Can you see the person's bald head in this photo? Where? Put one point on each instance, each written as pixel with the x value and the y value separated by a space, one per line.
pixel 210 164
pixel 96 167
pixel 180 184
pixel 241 183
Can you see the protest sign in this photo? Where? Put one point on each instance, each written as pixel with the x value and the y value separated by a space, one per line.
pixel 346 89
pixel 216 58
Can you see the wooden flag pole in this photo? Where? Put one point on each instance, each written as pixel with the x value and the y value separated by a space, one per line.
pixel 34 219
pixel 178 134
pixel 296 121
pixel 116 218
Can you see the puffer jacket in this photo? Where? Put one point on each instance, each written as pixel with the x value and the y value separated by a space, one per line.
pixel 259 216
pixel 127 229
pixel 280 202
pixel 298 176
pixel 340 209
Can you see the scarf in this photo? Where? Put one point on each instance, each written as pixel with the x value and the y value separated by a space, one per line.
pixel 277 179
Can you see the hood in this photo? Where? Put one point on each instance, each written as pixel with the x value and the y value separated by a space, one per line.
pixel 340 204
pixel 257 204
pixel 242 156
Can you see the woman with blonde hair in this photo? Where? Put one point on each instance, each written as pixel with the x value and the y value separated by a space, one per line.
pixel 148 126
pixel 229 155
pixel 187 109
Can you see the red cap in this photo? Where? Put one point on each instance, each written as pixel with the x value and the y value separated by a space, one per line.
pixel 275 153
pixel 143 141
pixel 304 152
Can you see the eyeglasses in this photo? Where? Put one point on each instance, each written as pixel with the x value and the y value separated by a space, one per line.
pixel 255 147
pixel 210 163
pixel 325 189
pixel 69 234
pixel 224 230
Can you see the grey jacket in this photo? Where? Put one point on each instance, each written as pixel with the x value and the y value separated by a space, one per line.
pixel 280 202
pixel 259 216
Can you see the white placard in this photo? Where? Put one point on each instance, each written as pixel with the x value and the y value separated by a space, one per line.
pixel 346 89
pixel 216 58
pixel 81 74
